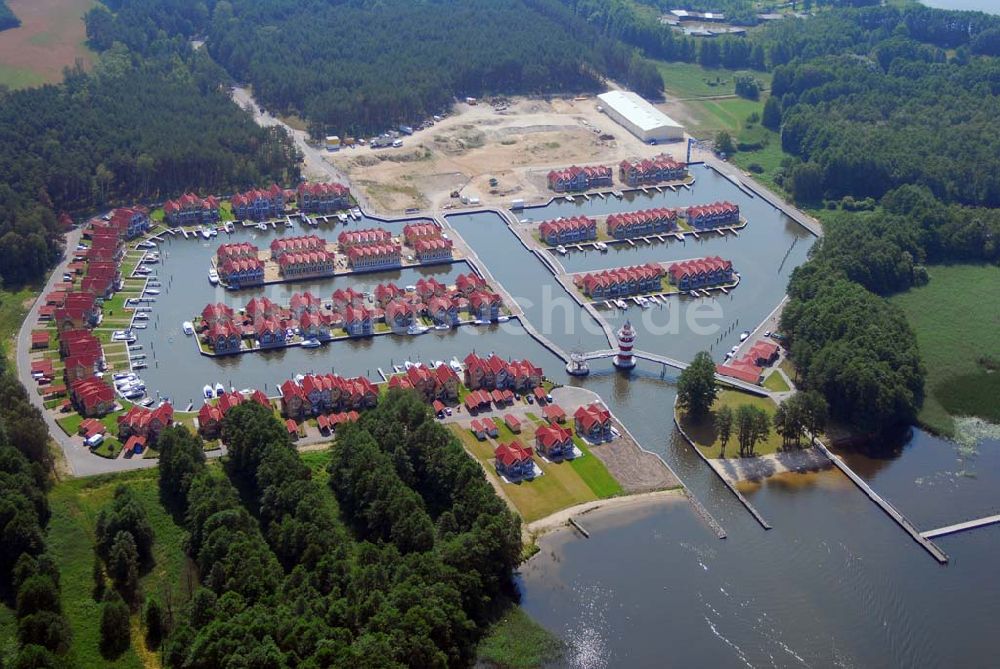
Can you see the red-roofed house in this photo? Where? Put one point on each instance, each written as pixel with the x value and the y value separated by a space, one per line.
pixel 359 322
pixel 554 413
pixel 189 209
pixel 651 170
pixel 741 369
pixel 713 215
pixel 554 441
pixel 147 423
pixel 701 272
pixel 433 249
pixel 512 423
pixel 580 178
pixel 513 461
pixel 92 397
pixel 642 223
pixel 593 423
pixel 322 198
pixel 209 421
pixel 258 204
pixel 568 230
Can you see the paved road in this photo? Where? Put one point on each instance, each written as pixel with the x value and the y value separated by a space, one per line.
pixel 315 163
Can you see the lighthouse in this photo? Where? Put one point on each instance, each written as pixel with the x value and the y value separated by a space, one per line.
pixel 626 339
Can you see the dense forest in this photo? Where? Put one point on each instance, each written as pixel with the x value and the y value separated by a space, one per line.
pixel 897 129
pixel 29 577
pixel 7 18
pixel 133 129
pixel 360 66
pixel 402 563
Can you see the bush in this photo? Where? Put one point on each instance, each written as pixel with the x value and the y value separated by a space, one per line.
pixel 756 168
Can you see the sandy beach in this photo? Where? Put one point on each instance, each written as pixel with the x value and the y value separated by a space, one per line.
pixel 736 470
pixel 561 518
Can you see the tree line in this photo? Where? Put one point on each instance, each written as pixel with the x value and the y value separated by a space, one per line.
pixel 29 576
pixel 7 17
pixel 134 129
pixel 373 65
pixel 403 565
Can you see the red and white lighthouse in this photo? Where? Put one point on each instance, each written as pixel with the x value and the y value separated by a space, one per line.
pixel 626 339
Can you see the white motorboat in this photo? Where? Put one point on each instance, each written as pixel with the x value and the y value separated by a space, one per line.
pixel 342 217
pixel 262 226
pixel 621 304
pixel 120 376
pixel 442 327
pixel 417 329
pixel 411 288
pixel 230 228
pixel 147 402
pixel 187 327
pixel 208 392
pixel 503 319
pixel 356 214
pixel 213 276
pixel 134 394
pixel 642 301
pixel 311 343
pixel 455 365
pixel 601 246
pixel 288 224
pixel 213 232
pixel 561 250
pixel 569 198
pixel 139 364
pixel 220 390
pixel 744 335
pixel 140 326
pixel 141 316
pixel 151 291
pixel 206 233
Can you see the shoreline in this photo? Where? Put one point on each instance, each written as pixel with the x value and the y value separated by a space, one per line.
pixel 762 467
pixel 560 520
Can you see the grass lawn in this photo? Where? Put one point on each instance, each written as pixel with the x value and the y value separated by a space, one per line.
pixel 729 114
pixel 563 484
pixel 769 158
pixel 707 440
pixel 776 383
pixel 955 320
pixel 75 504
pixel 13 306
pixel 689 80
pixel 518 642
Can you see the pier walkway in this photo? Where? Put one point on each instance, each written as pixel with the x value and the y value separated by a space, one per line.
pixel 676 364
pixel 889 509
pixel 961 527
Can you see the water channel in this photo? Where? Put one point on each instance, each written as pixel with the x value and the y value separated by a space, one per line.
pixel 835 583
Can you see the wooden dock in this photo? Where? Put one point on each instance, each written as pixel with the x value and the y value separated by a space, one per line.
pixel 961 527
pixel 888 508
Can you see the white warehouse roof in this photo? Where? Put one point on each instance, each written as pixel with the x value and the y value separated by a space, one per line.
pixel 631 106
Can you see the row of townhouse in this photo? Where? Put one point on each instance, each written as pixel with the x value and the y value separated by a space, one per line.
pixel 322 198
pixel 239 265
pixel 259 204
pixel 433 250
pixel 139 427
pixel 414 231
pixel 82 354
pixel 210 415
pixel 375 256
pixel 130 222
pixel 713 215
pixel 651 170
pixel 189 209
pixel 496 373
pixel 701 272
pixel 573 179
pixel 440 383
pixel 319 394
pixel 220 330
pixel 92 396
pixel 307 265
pixel 300 244
pixel 622 281
pixel 363 237
pixel 642 223
pixel 568 230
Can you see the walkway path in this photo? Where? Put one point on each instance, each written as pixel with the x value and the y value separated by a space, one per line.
pixel 961 527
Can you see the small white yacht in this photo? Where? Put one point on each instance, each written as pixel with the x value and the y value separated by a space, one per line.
pixel 187 327
pixel 311 343
pixel 208 392
pixel 213 276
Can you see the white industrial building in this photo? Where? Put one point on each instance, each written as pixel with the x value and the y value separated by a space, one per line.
pixel 640 118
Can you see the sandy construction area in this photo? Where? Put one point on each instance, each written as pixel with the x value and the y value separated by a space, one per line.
pixel 516 145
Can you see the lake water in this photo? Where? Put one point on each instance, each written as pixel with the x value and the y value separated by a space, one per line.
pixel 988 6
pixel 835 583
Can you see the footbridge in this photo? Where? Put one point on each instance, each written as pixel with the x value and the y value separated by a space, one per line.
pixel 671 362
pixel 961 527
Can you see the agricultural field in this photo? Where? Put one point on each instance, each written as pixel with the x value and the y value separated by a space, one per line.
pixel 956 317
pixel 51 36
